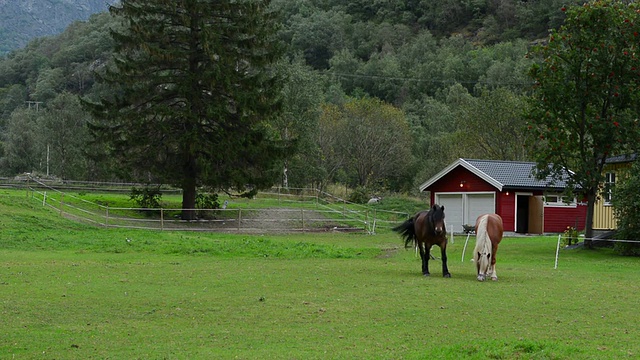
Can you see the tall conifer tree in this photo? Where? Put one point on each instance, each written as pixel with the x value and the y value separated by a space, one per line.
pixel 195 90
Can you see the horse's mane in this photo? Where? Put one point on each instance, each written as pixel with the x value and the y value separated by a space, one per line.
pixel 436 213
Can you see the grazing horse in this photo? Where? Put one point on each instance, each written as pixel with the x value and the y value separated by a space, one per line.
pixel 426 229
pixel 488 236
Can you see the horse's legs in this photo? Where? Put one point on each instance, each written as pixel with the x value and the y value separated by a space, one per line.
pixel 424 256
pixel 443 251
pixel 492 268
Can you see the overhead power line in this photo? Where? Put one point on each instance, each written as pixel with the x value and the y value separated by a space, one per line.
pixel 434 81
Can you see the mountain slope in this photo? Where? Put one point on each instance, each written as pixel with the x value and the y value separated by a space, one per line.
pixel 23 20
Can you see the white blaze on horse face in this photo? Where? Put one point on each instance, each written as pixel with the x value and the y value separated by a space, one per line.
pixel 484 262
pixel 439 228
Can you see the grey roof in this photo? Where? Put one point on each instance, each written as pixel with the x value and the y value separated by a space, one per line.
pixel 501 174
pixel 621 159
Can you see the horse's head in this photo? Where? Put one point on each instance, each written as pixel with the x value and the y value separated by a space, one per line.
pixel 437 219
pixel 483 262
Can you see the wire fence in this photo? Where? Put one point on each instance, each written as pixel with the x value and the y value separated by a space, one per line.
pixel 298 210
pixel 561 237
pixel 565 237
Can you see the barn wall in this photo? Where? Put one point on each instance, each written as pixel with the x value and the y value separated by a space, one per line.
pixel 603 216
pixel 451 182
pixel 505 207
pixel 557 219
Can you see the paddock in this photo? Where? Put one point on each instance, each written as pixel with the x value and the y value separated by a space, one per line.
pixel 70 290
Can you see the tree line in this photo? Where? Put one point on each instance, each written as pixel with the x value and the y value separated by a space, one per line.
pixel 349 71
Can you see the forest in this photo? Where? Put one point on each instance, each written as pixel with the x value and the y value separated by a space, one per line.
pixel 379 95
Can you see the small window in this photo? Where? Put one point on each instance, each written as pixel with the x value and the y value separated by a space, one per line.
pixel 609 184
pixel 558 200
pixel 552 199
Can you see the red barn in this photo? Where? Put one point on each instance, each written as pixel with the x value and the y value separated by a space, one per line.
pixel 468 188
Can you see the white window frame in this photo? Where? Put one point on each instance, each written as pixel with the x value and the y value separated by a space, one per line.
pixel 558 200
pixel 609 184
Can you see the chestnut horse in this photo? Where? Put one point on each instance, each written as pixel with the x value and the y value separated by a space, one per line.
pixel 426 229
pixel 488 235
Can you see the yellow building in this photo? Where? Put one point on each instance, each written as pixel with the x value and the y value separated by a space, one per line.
pixel 615 169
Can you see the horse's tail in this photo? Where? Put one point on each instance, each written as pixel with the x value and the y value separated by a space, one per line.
pixel 482 236
pixel 407 231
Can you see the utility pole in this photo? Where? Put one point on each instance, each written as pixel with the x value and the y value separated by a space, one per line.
pixel 36 104
pixel 47 160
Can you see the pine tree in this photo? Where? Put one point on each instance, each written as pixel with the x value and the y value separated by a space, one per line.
pixel 194 90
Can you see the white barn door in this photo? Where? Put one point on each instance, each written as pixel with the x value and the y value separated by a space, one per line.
pixel 478 204
pixel 453 210
pixel 464 208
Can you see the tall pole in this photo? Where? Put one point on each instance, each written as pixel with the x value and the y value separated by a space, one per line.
pixel 48 152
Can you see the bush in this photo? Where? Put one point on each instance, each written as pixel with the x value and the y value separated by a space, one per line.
pixel 207 201
pixel 359 196
pixel 626 205
pixel 148 198
pixel 626 249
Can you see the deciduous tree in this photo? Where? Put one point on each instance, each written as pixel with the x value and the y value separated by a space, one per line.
pixel 368 138
pixel 63 135
pixel 21 152
pixel 587 94
pixel 492 125
pixel 302 97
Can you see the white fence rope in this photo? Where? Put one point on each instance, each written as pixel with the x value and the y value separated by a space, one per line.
pixel 326 216
pixel 562 236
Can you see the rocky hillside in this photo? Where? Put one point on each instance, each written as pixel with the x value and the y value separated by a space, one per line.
pixel 24 20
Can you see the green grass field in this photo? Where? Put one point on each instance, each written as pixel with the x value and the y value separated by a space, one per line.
pixel 71 291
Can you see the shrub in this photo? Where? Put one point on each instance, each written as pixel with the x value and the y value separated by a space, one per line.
pixel 570 236
pixel 207 201
pixel 626 249
pixel 148 198
pixel 359 196
pixel 626 205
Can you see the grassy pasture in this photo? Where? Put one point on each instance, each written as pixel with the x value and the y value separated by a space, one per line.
pixel 70 291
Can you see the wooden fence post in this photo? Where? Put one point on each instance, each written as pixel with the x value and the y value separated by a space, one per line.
pixel 366 219
pixel 302 215
pixel 239 218
pixel 374 221
pixel 161 218
pixel 106 217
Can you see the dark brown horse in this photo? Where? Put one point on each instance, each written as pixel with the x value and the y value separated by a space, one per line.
pixel 426 229
pixel 488 235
